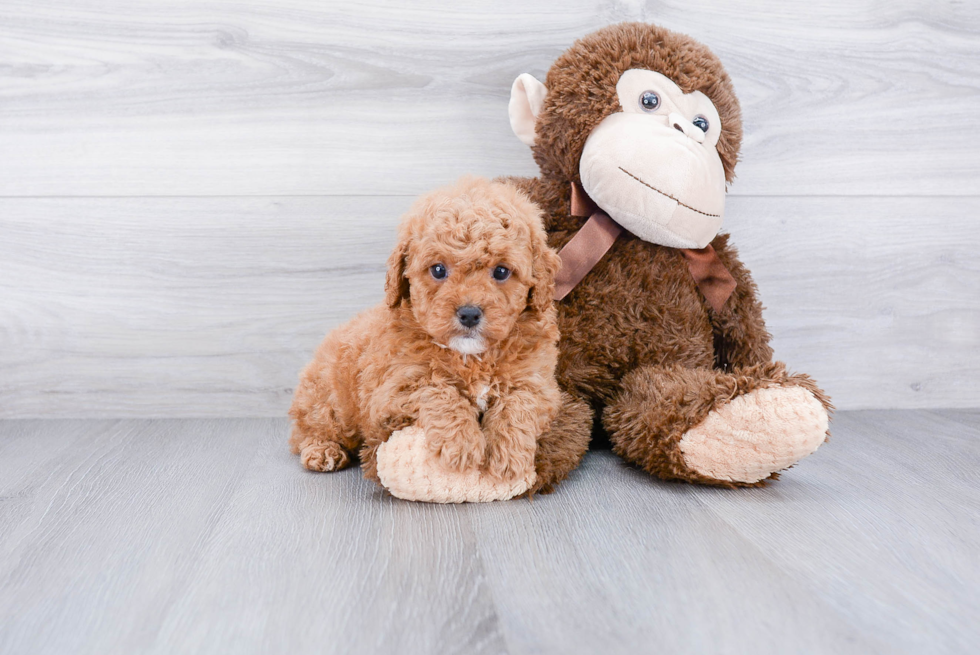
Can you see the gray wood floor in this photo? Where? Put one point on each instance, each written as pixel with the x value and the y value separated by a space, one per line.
pixel 206 536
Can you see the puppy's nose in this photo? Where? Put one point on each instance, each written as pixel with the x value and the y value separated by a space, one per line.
pixel 469 315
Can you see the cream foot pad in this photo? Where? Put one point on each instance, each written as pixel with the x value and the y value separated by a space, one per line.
pixel 408 471
pixel 757 434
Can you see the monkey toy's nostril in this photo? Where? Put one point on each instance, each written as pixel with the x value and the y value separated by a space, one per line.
pixel 678 128
pixel 469 315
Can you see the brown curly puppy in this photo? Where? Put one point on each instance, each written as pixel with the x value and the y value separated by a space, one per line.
pixel 464 346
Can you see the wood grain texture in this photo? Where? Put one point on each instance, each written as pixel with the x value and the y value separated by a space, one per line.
pixel 875 297
pixel 192 194
pixel 640 550
pixel 150 524
pixel 108 97
pixel 210 306
pixel 902 491
pixel 207 536
pixel 179 306
pixel 116 519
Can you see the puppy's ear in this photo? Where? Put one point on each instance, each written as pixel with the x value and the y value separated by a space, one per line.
pixel 545 265
pixel 396 284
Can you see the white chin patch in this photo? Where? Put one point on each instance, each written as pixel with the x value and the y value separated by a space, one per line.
pixel 468 345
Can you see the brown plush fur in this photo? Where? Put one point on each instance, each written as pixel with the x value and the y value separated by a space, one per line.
pixel 394 365
pixel 639 341
pixel 582 90
pixel 561 446
pixel 660 404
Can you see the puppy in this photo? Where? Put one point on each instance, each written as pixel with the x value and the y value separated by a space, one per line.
pixel 464 346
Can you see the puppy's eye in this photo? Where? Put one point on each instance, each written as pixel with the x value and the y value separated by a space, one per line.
pixel 701 123
pixel 439 271
pixel 501 273
pixel 649 101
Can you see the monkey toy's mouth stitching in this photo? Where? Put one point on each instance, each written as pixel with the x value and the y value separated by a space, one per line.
pixel 667 195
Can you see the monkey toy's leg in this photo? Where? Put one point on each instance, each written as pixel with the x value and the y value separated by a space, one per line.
pixel 562 446
pixel 733 425
pixel 734 428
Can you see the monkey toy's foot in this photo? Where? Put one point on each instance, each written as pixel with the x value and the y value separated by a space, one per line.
pixel 755 435
pixel 408 470
pixel 734 428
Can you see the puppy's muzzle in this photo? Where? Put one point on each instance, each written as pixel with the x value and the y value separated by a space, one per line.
pixel 469 315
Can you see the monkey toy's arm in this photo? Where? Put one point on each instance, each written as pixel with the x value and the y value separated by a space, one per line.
pixel 562 446
pixel 412 464
pixel 449 421
pixel 434 450
pixel 741 338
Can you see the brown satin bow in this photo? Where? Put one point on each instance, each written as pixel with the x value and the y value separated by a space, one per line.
pixel 600 232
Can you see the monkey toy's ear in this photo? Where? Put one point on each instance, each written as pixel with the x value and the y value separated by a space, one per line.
pixel 526 98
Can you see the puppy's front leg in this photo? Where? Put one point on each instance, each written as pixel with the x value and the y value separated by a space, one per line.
pixel 512 425
pixel 452 427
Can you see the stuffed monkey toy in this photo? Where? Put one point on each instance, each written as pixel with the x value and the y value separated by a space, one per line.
pixel 636 131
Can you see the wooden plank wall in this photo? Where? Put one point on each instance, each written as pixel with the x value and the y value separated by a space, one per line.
pixel 192 194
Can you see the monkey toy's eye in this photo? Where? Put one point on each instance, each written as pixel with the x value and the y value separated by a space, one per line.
pixel 501 273
pixel 701 123
pixel 649 101
pixel 439 271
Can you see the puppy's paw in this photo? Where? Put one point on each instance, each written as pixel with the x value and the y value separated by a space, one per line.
pixel 506 463
pixel 324 457
pixel 458 451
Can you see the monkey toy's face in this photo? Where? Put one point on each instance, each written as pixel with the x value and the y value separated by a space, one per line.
pixel 652 164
